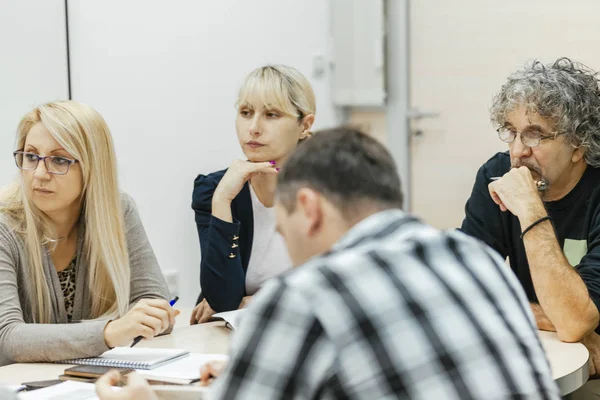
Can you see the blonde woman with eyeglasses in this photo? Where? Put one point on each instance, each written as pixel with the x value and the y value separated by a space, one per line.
pixel 234 211
pixel 72 247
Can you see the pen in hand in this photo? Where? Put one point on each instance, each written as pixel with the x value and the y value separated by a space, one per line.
pixel 139 338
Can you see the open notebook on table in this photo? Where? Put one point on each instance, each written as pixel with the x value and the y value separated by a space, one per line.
pixel 232 318
pixel 131 357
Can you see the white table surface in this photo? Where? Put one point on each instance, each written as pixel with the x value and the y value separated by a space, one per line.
pixel 569 361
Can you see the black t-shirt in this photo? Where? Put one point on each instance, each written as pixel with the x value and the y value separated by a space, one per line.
pixel 576 219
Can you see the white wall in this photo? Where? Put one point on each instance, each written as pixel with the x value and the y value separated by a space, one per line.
pixel 33 66
pixel 165 76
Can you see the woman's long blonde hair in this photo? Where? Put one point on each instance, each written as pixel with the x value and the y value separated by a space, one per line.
pixel 83 133
pixel 282 87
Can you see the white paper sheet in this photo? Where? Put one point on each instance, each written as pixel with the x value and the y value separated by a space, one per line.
pixel 69 390
pixel 184 368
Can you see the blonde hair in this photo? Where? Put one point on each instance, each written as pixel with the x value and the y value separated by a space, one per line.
pixel 83 133
pixel 281 87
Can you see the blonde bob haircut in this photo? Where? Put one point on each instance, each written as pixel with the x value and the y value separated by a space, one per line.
pixel 280 87
pixel 83 133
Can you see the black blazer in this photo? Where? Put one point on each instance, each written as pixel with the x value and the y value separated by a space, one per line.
pixel 225 246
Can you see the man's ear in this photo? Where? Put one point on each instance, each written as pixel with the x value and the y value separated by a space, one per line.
pixel 578 154
pixel 309 202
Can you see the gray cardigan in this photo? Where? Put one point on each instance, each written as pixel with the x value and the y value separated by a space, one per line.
pixel 23 341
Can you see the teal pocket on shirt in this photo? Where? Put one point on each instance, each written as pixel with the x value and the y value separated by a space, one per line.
pixel 575 250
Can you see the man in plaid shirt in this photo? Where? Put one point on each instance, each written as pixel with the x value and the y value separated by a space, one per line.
pixel 382 306
pixel 391 309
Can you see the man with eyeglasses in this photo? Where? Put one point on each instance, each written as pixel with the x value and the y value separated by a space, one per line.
pixel 539 203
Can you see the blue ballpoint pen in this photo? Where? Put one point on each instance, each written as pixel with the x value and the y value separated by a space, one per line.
pixel 139 338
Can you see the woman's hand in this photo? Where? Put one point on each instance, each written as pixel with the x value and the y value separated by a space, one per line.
pixel 238 173
pixel 202 313
pixel 232 182
pixel 148 318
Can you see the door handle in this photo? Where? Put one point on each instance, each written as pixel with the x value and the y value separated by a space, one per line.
pixel 417 114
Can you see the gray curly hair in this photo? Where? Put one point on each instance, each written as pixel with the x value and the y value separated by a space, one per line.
pixel 565 93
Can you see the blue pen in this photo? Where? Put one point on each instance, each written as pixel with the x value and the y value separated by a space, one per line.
pixel 139 338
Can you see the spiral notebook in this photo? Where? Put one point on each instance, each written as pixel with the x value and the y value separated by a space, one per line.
pixel 131 357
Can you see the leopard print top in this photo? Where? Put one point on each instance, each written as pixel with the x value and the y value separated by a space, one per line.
pixel 66 278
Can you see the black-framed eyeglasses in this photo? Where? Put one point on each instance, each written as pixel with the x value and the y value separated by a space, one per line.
pixel 529 138
pixel 56 165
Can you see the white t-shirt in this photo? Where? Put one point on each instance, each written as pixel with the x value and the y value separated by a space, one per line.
pixel 269 256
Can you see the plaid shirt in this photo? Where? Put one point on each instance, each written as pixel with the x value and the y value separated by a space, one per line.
pixel 397 309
